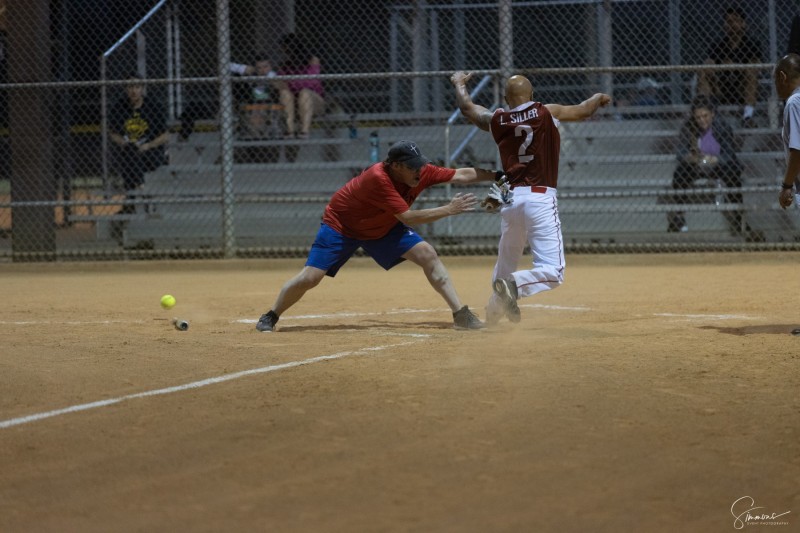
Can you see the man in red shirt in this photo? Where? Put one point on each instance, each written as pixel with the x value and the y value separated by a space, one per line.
pixel 373 211
pixel 529 144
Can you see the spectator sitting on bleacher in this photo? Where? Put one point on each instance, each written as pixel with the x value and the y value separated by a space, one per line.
pixel 733 87
pixel 706 150
pixel 646 92
pixel 138 131
pixel 256 102
pixel 259 92
pixel 307 96
pixel 244 94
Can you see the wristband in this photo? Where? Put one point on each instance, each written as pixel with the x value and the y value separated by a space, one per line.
pixel 787 187
pixel 498 176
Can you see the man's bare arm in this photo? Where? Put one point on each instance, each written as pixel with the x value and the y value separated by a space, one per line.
pixel 117 139
pixel 467 175
pixel 459 204
pixel 477 114
pixel 582 111
pixel 155 143
pixel 790 175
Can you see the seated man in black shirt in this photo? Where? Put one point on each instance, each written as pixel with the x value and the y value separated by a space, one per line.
pixel 138 130
pixel 733 87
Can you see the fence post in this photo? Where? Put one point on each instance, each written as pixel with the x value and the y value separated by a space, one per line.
pixel 226 127
pixel 506 38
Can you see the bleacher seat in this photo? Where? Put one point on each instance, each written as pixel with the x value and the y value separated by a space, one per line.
pixel 612 179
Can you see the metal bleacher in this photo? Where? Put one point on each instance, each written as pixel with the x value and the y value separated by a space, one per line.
pixel 614 177
pixel 280 187
pixel 615 182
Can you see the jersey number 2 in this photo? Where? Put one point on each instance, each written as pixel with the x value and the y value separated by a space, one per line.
pixel 519 131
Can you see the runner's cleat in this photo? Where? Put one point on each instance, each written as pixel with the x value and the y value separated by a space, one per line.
pixel 506 290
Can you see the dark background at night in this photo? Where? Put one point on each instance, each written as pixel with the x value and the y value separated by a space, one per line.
pixel 352 36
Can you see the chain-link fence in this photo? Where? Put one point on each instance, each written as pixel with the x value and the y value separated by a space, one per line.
pixel 172 129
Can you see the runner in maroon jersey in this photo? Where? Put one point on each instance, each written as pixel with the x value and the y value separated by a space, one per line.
pixel 373 212
pixel 529 143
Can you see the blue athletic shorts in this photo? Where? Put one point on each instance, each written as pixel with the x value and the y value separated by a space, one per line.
pixel 331 249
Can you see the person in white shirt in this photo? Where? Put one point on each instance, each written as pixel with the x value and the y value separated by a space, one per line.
pixel 261 67
pixel 787 84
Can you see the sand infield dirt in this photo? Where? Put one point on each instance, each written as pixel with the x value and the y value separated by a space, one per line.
pixel 648 393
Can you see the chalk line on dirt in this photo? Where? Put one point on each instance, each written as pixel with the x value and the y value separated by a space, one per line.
pixel 194 385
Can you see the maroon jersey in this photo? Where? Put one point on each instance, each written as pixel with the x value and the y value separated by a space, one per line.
pixel 529 144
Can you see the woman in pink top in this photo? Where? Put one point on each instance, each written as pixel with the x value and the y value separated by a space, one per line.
pixel 307 96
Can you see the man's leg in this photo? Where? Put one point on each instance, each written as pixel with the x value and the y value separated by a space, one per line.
pixel 121 165
pixel 295 288
pixel 329 252
pixel 542 227
pixel 730 175
pixel 513 237
pixel 425 256
pixel 128 163
pixel 682 179
pixel 547 247
pixel 291 292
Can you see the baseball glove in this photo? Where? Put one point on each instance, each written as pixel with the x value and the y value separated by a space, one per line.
pixel 500 194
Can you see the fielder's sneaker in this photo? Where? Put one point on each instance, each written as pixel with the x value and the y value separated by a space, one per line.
pixel 506 290
pixel 267 322
pixel 466 319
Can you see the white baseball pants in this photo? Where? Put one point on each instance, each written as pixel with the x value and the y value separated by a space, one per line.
pixel 531 219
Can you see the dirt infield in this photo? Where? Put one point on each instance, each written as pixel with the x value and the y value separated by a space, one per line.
pixel 649 393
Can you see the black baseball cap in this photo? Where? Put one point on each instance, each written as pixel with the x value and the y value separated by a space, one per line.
pixel 408 153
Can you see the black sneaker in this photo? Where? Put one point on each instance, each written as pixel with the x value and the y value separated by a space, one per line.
pixel 267 322
pixel 466 319
pixel 506 289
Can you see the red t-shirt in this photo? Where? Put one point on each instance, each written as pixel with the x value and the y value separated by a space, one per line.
pixel 365 207
pixel 529 144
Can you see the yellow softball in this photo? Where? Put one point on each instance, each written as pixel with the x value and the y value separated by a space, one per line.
pixel 168 301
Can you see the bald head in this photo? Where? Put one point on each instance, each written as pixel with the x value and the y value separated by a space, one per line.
pixel 518 90
pixel 787 75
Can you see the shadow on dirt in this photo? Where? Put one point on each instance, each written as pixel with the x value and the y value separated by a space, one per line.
pixel 770 329
pixel 374 325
